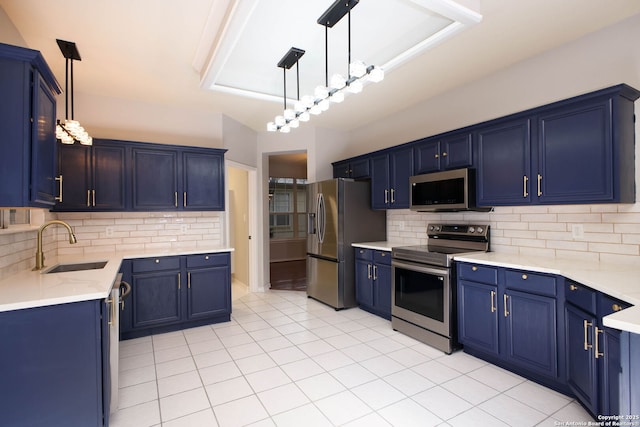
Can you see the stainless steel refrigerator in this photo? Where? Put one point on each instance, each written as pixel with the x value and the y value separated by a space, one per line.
pixel 339 212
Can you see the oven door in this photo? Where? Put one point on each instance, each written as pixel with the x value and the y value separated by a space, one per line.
pixel 422 295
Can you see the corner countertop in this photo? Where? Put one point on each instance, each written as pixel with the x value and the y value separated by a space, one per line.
pixel 29 289
pixel 621 281
pixel 379 246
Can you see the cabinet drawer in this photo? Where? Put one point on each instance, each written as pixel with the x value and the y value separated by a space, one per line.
pixel 156 264
pixel 365 254
pixel 581 296
pixel 207 260
pixel 382 257
pixel 478 273
pixel 531 282
pixel 608 305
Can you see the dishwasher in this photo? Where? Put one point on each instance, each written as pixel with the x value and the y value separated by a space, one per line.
pixel 119 292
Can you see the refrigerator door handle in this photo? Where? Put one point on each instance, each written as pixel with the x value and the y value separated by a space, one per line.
pixel 320 217
pixel 311 221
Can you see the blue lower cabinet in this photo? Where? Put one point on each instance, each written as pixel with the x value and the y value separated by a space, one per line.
pixel 373 281
pixel 54 366
pixel 582 369
pixel 172 293
pixel 478 316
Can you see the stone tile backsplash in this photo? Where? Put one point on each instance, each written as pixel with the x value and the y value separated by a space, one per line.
pixel 609 233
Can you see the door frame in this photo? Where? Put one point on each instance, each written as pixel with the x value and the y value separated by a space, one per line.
pixel 252 191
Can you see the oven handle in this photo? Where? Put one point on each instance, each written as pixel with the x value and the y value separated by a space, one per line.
pixel 421 268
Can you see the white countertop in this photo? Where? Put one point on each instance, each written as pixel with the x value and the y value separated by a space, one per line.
pixel 378 246
pixel 621 281
pixel 29 289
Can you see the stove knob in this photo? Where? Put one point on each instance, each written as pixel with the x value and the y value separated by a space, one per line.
pixel 471 230
pixel 431 228
pixel 480 230
pixel 437 228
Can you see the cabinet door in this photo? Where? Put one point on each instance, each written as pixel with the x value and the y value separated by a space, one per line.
pixel 382 289
pixel 108 177
pixel 203 181
pixel 610 368
pixel 478 316
pixel 457 151
pixel 126 305
pixel 43 137
pixel 401 168
pixel 503 164
pixel 427 156
pixel 581 363
pixel 155 179
pixel 364 282
pixel 342 170
pixel 569 174
pixel 208 292
pixel 360 169
pixel 380 182
pixel 74 165
pixel 531 332
pixel 156 298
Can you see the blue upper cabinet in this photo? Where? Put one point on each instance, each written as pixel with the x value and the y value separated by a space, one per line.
pixel 580 150
pixel 203 180
pixel 357 168
pixel 503 160
pixel 390 172
pixel 93 178
pixel 451 151
pixel 27 129
pixel 167 177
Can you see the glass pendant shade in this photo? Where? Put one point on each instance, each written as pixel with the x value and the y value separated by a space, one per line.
pixel 355 86
pixel 337 81
pixel 280 121
pixel 376 75
pixel 304 117
pixel 272 127
pixel 315 110
pixel 337 97
pixel 357 69
pixel 321 92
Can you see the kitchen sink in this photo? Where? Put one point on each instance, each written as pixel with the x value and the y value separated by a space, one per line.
pixel 62 268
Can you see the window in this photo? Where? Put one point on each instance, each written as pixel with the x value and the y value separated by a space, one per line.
pixel 287 208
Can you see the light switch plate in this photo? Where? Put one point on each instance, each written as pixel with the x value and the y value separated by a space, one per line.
pixel 577 231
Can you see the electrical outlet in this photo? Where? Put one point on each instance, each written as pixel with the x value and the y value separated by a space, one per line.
pixel 183 228
pixel 577 231
pixel 109 231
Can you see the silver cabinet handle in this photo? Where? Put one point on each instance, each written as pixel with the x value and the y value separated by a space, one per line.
pixel 506 310
pixel 386 196
pixel 179 280
pixel 493 306
pixel 184 199
pixel 375 272
pixel 59 198
pixel 525 180
pixel 393 195
pixel 368 271
pixel 539 185
pixel 586 325
pixel 597 349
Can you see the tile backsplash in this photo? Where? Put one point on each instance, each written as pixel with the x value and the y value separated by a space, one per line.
pixel 133 231
pixel 609 233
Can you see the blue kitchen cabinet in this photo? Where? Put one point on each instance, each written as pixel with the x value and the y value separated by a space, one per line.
pixel 154 178
pixel 203 180
pixel 156 290
pixel 356 168
pixel 208 285
pixel 175 292
pixel 594 352
pixel 373 281
pixel 450 151
pixel 172 177
pixel 504 163
pixel 390 172
pixel 511 318
pixel 54 365
pixel 93 178
pixel 478 316
pixel 579 150
pixel 27 129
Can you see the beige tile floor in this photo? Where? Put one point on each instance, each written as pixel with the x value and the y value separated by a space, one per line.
pixel 286 360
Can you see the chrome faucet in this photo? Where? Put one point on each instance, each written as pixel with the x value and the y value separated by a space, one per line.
pixel 39 252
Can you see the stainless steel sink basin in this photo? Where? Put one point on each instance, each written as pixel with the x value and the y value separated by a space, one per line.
pixel 62 268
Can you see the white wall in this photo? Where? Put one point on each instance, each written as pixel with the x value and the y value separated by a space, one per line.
pixel 238 207
pixel 240 141
pixel 9 34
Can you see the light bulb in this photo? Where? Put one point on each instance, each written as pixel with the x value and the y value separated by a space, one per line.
pixel 337 97
pixel 337 81
pixel 321 92
pixel 355 86
pixel 294 123
pixel 272 127
pixel 285 129
pixel 280 121
pixel 324 104
pixel 289 114
pixel 299 107
pixel 308 101
pixel 304 116
pixel 315 110
pixel 357 69
pixel 376 75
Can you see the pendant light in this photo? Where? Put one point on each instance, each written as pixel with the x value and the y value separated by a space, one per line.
pixel 334 89
pixel 70 131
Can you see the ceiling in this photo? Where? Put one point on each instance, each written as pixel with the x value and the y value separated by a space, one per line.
pixel 172 53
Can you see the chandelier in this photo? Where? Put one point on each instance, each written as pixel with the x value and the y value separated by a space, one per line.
pixel 70 131
pixel 335 89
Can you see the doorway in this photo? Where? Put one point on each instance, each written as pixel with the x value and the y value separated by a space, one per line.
pixel 241 214
pixel 288 221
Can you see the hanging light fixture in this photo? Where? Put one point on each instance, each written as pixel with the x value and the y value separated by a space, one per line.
pixel 334 90
pixel 70 131
pixel 290 118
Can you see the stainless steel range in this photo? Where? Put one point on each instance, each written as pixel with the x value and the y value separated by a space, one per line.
pixel 424 285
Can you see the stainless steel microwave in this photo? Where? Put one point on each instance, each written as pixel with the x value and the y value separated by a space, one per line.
pixel 453 190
